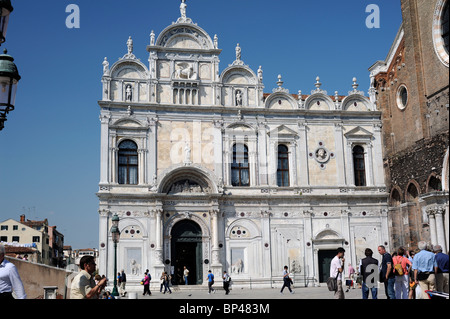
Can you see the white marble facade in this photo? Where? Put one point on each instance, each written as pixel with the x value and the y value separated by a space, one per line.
pixel 185 116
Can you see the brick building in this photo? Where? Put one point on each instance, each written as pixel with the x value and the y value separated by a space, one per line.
pixel 412 91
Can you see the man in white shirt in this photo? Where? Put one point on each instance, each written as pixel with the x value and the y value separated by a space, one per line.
pixel 9 279
pixel 185 275
pixel 336 269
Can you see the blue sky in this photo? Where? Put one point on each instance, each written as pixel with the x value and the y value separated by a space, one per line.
pixel 49 149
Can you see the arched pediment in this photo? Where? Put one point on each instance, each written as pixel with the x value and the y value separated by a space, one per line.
pixel 128 122
pixel 241 126
pixel 187 180
pixel 242 228
pixel 280 100
pixel 320 102
pixel 328 235
pixel 356 102
pixel 238 75
pixel 185 36
pixel 129 69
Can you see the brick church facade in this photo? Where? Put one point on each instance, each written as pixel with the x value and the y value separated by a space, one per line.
pixel 412 89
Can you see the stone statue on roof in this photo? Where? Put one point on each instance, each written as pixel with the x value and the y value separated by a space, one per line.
pixel 183 6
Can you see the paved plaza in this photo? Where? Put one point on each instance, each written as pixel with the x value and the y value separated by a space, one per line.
pixel 201 292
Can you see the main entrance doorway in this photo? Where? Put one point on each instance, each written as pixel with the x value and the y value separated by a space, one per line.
pixel 325 257
pixel 186 250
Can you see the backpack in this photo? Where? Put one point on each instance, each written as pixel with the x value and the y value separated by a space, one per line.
pixel 398 268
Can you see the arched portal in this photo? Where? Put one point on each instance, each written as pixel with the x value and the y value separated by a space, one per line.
pixel 186 250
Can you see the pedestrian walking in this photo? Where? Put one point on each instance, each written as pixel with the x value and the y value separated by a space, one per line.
pixel 387 272
pixel 349 281
pixel 226 282
pixel 336 270
pixel 123 283
pixel 425 267
pixel 146 282
pixel 185 275
pixel 442 272
pixel 369 271
pixel 167 279
pixel 287 281
pixel 9 279
pixel 161 282
pixel 83 285
pixel 210 279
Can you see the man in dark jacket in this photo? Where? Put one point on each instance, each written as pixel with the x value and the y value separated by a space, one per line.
pixel 369 270
pixel 387 272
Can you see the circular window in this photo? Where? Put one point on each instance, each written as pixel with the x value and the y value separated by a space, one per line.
pixel 402 97
pixel 440 31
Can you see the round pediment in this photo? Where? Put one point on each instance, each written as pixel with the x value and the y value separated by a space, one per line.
pixel 185 36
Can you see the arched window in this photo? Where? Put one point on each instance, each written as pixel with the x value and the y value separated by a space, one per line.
pixel 359 166
pixel 128 163
pixel 445 26
pixel 434 184
pixel 283 166
pixel 240 173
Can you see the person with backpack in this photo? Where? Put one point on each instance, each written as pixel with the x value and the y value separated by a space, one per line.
pixel 402 265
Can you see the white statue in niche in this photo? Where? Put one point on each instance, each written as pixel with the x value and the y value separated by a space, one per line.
pixel 128 93
pixel 187 154
pixel 238 98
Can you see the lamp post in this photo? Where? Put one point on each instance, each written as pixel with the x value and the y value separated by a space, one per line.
pixel 9 78
pixel 5 9
pixel 115 234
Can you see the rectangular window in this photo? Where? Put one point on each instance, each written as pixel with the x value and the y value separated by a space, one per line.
pixel 4 227
pixel 36 239
pixel 16 239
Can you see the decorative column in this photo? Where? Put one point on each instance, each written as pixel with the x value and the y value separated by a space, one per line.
pixel 104 154
pixel 216 265
pixel 339 151
pixel 440 229
pixel 262 151
pixel 265 232
pixel 218 149
pixel 432 223
pixel 303 154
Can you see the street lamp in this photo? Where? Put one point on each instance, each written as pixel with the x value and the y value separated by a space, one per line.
pixel 115 234
pixel 9 77
pixel 5 9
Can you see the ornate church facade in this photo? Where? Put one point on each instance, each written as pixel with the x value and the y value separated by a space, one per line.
pixel 207 171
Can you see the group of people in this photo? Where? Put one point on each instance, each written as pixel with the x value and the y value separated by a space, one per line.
pixel 405 274
pixel 165 280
